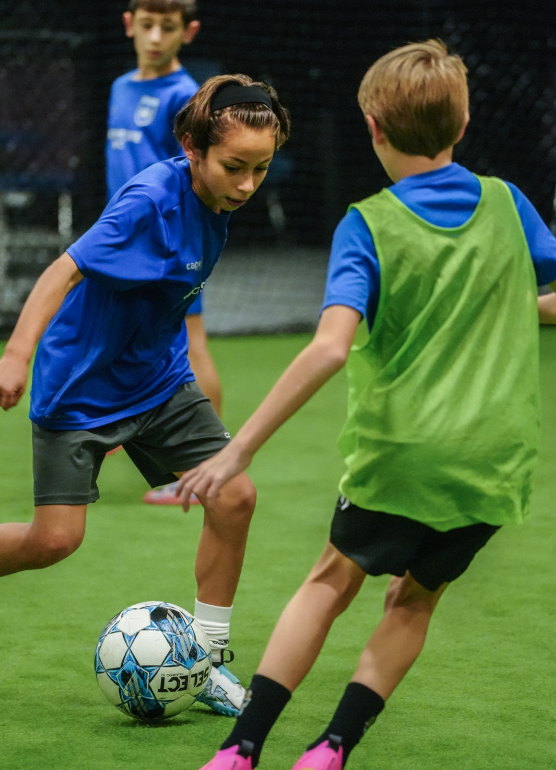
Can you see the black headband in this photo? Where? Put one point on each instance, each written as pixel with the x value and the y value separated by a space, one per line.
pixel 236 94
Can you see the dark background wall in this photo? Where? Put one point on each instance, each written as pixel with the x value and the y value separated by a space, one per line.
pixel 65 54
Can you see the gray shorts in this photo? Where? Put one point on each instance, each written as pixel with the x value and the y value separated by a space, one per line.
pixel 172 437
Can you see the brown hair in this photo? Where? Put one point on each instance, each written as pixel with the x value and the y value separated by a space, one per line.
pixel 418 96
pixel 187 8
pixel 207 128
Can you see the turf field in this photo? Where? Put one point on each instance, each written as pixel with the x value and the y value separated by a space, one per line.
pixel 480 697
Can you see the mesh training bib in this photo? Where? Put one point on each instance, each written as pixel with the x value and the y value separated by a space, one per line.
pixel 443 407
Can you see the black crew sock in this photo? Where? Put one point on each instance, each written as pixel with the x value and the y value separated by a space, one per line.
pixel 264 701
pixel 356 712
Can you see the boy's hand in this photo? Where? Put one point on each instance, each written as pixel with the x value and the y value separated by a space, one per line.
pixel 314 366
pixel 13 379
pixel 209 477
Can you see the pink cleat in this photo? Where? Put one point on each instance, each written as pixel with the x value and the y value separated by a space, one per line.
pixel 234 758
pixel 326 756
pixel 167 496
pixel 113 451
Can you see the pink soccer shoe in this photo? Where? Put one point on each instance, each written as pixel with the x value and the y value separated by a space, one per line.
pixel 167 496
pixel 326 756
pixel 234 758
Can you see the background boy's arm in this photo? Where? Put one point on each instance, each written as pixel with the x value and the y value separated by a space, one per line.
pixel 547 306
pixel 42 304
pixel 322 358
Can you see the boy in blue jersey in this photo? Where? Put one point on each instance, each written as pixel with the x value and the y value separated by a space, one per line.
pixel 442 432
pixel 111 366
pixel 142 108
pixel 144 102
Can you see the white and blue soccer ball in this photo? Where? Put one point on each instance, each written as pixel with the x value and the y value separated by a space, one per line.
pixel 152 660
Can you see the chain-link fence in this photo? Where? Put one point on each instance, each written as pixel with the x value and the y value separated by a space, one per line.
pixel 58 59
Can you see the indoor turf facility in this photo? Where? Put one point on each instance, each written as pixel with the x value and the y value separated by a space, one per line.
pixel 481 695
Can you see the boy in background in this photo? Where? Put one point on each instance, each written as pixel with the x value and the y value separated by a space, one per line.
pixel 142 108
pixel 144 102
pixel 442 433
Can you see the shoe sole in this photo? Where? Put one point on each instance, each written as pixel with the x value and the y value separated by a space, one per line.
pixel 173 501
pixel 168 501
pixel 219 708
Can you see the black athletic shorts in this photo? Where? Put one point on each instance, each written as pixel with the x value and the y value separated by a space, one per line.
pixel 175 436
pixel 383 543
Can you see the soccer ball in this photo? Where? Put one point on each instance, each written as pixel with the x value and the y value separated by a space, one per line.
pixel 152 660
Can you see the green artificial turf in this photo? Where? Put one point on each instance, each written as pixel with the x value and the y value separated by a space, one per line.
pixel 481 695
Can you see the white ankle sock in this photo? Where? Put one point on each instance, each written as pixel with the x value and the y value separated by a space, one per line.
pixel 215 622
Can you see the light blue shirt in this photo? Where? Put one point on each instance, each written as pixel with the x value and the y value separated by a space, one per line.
pixel 140 123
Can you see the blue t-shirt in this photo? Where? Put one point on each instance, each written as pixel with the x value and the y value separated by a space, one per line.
pixel 118 344
pixel 140 123
pixel 141 128
pixel 445 198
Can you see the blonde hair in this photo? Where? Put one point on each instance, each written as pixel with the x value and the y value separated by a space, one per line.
pixel 207 128
pixel 418 96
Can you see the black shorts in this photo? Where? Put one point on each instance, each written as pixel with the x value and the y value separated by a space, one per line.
pixel 383 543
pixel 172 437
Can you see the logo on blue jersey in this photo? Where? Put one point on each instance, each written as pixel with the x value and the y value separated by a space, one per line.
pixel 146 110
pixel 118 137
pixel 195 291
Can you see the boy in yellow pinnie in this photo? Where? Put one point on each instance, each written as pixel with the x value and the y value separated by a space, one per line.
pixel 442 433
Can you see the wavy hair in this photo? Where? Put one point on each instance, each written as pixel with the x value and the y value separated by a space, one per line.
pixel 207 128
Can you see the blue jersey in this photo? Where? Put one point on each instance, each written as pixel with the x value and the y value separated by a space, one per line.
pixel 445 198
pixel 140 123
pixel 118 344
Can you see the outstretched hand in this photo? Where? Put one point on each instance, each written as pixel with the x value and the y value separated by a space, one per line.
pixel 314 366
pixel 208 478
pixel 13 380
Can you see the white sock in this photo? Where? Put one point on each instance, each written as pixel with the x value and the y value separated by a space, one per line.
pixel 215 622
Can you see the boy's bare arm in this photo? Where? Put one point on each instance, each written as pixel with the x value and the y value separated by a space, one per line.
pixel 322 358
pixel 42 304
pixel 547 306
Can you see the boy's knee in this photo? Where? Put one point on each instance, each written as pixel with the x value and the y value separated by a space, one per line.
pixel 407 595
pixel 392 592
pixel 414 605
pixel 340 574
